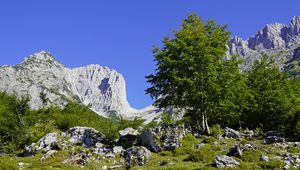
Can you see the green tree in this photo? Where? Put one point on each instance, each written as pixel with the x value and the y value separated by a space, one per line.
pixel 271 102
pixel 188 69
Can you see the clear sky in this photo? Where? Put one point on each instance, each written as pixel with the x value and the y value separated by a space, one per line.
pixel 118 33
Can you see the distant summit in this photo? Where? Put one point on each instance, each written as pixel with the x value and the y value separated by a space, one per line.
pixel 277 40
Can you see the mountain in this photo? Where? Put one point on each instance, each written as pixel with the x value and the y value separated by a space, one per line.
pixel 280 41
pixel 47 82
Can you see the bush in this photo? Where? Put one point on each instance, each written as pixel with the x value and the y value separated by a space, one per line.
pixel 216 130
pixel 189 141
pixel 206 154
pixel 271 165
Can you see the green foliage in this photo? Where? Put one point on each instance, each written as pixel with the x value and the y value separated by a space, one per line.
pixel 251 156
pixel 216 130
pixel 205 154
pixel 191 71
pixel 189 140
pixel 21 126
pixel 271 102
pixel 271 165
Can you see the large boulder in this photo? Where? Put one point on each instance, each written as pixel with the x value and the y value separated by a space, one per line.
pixel 47 143
pixel 136 155
pixel 273 137
pixel 224 161
pixel 86 136
pixel 128 137
pixel 163 137
pixel 231 133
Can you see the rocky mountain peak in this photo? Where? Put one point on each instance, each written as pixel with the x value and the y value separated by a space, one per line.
pixel 275 39
pixel 295 25
pixel 47 82
pixel 40 59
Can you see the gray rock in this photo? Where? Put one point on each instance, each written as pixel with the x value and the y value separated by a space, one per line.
pixel 49 154
pixel 231 133
pixel 224 161
pixel 235 151
pixel 118 149
pixel 110 155
pixel 264 158
pixel 128 137
pixel 85 135
pixel 128 131
pixel 136 155
pixel 163 137
pixel 274 139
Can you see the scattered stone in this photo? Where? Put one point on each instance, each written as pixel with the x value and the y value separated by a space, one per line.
pixel 225 161
pixel 219 137
pixel 199 146
pixel 49 154
pixel 235 151
pixel 231 133
pixel 264 158
pixel 136 155
pixel 117 149
pixel 128 131
pixel 110 155
pixel 77 159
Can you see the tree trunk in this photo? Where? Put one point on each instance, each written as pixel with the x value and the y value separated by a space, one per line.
pixel 205 127
pixel 207 131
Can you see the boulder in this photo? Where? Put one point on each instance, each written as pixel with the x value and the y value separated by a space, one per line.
pixel 128 131
pixel 86 136
pixel 274 139
pixel 236 151
pixel 49 154
pixel 224 161
pixel 231 133
pixel 47 143
pixel 136 155
pixel 163 137
pixel 117 149
pixel 128 137
pixel 147 140
pixel 264 158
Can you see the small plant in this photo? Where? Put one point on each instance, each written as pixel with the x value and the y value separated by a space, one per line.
pixel 206 154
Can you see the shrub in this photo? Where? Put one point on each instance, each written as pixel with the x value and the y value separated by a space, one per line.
pixel 206 154
pixel 189 141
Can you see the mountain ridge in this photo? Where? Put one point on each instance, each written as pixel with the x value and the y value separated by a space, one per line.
pixel 48 82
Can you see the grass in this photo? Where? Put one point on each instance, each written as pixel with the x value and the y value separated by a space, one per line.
pixel 184 158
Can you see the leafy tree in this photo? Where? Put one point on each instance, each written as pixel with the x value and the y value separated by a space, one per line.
pixel 271 102
pixel 188 69
pixel 233 94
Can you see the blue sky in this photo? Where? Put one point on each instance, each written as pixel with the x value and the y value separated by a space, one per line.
pixel 120 34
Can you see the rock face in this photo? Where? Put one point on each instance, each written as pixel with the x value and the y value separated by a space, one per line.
pixel 276 39
pixel 47 82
